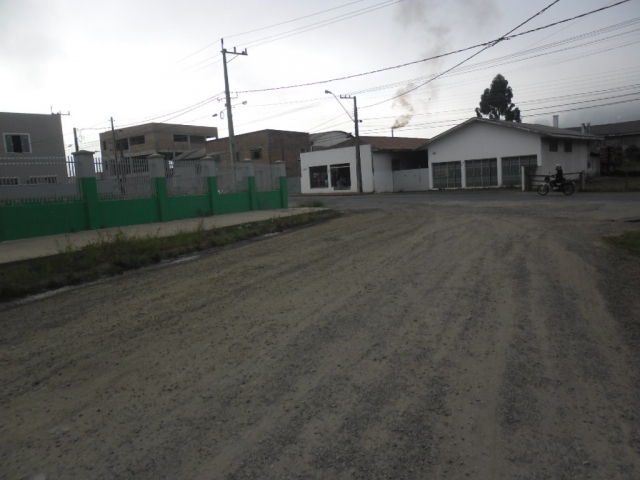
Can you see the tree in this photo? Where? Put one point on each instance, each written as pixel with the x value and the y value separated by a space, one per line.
pixel 495 102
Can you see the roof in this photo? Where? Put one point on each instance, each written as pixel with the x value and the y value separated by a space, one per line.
pixel 387 144
pixel 313 136
pixel 543 130
pixel 613 129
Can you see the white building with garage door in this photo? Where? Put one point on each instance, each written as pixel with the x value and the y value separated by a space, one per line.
pixel 489 153
pixel 389 164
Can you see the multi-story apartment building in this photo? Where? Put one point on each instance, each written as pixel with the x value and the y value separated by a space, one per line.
pixel 36 143
pixel 175 142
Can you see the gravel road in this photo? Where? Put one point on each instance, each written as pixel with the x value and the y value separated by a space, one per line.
pixel 414 341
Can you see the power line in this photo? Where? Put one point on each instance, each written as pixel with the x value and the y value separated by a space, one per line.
pixel 495 61
pixel 304 29
pixel 184 110
pixel 435 57
pixel 424 126
pixel 294 20
pixel 467 59
pixel 324 23
pixel 270 26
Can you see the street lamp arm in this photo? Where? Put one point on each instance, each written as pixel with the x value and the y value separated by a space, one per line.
pixel 345 110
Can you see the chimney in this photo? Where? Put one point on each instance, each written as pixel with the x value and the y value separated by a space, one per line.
pixel 556 120
pixel 583 129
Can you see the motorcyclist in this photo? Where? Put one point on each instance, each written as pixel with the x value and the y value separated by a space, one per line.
pixel 558 178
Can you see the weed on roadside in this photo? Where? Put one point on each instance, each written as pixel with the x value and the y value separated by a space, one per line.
pixel 311 204
pixel 629 242
pixel 112 254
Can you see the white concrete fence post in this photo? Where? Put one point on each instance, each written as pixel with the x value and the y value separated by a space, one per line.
pixel 208 167
pixel 156 166
pixel 84 164
pixel 280 169
pixel 247 168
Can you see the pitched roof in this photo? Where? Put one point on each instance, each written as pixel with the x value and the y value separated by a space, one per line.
pixel 542 130
pixel 620 128
pixel 385 144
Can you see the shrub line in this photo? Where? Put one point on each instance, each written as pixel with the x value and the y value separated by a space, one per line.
pixel 114 254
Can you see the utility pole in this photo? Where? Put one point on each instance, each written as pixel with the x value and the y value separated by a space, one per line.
pixel 75 138
pixel 115 153
pixel 232 149
pixel 358 160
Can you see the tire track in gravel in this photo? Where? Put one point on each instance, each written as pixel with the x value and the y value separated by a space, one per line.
pixel 407 343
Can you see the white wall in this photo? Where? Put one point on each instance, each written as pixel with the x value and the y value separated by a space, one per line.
pixel 575 161
pixel 337 156
pixel 414 180
pixel 366 162
pixel 481 140
pixel 377 175
pixel 382 173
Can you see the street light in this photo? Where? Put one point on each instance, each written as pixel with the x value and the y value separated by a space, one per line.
pixel 355 121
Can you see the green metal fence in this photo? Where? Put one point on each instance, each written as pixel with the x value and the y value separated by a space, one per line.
pixel 90 212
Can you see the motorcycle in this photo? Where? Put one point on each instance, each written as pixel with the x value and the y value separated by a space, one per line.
pixel 567 187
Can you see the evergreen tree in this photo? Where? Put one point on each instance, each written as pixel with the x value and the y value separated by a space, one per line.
pixel 495 102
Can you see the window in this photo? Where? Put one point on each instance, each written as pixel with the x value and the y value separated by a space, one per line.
pixel 139 140
pixel 256 154
pixel 43 179
pixel 341 176
pixel 568 146
pixel 318 177
pixel 5 181
pixel 17 143
pixel 181 138
pixel 197 139
pixel 104 144
pixel 122 144
pixel 553 145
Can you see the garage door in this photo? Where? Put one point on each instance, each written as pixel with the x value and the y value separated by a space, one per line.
pixel 447 175
pixel 482 173
pixel 511 175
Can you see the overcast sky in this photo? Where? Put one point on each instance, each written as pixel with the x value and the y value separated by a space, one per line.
pixel 135 60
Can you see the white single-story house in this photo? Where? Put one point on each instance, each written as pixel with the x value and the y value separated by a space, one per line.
pixel 489 153
pixel 388 164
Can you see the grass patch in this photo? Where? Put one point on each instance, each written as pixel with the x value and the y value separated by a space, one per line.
pixel 311 204
pixel 115 254
pixel 629 242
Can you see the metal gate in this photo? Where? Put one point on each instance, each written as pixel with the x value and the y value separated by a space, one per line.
pixel 447 175
pixel 481 173
pixel 511 175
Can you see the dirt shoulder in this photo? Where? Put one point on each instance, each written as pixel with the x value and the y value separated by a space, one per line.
pixel 414 342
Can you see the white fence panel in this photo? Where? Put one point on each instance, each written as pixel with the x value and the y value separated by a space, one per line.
pixel 38 180
pixel 266 179
pixel 123 178
pixel 231 178
pixel 185 178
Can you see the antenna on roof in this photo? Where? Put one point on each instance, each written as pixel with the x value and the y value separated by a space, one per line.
pixel 60 113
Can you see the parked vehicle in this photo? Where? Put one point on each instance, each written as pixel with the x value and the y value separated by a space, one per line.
pixel 567 187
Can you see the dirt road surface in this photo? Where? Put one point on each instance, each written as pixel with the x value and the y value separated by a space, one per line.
pixel 414 341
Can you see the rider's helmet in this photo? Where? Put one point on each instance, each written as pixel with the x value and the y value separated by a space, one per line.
pixel 558 167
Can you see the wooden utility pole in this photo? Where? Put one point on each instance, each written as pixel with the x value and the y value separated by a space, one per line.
pixel 232 148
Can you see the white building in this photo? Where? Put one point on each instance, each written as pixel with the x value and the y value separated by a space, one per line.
pixel 489 153
pixel 388 164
